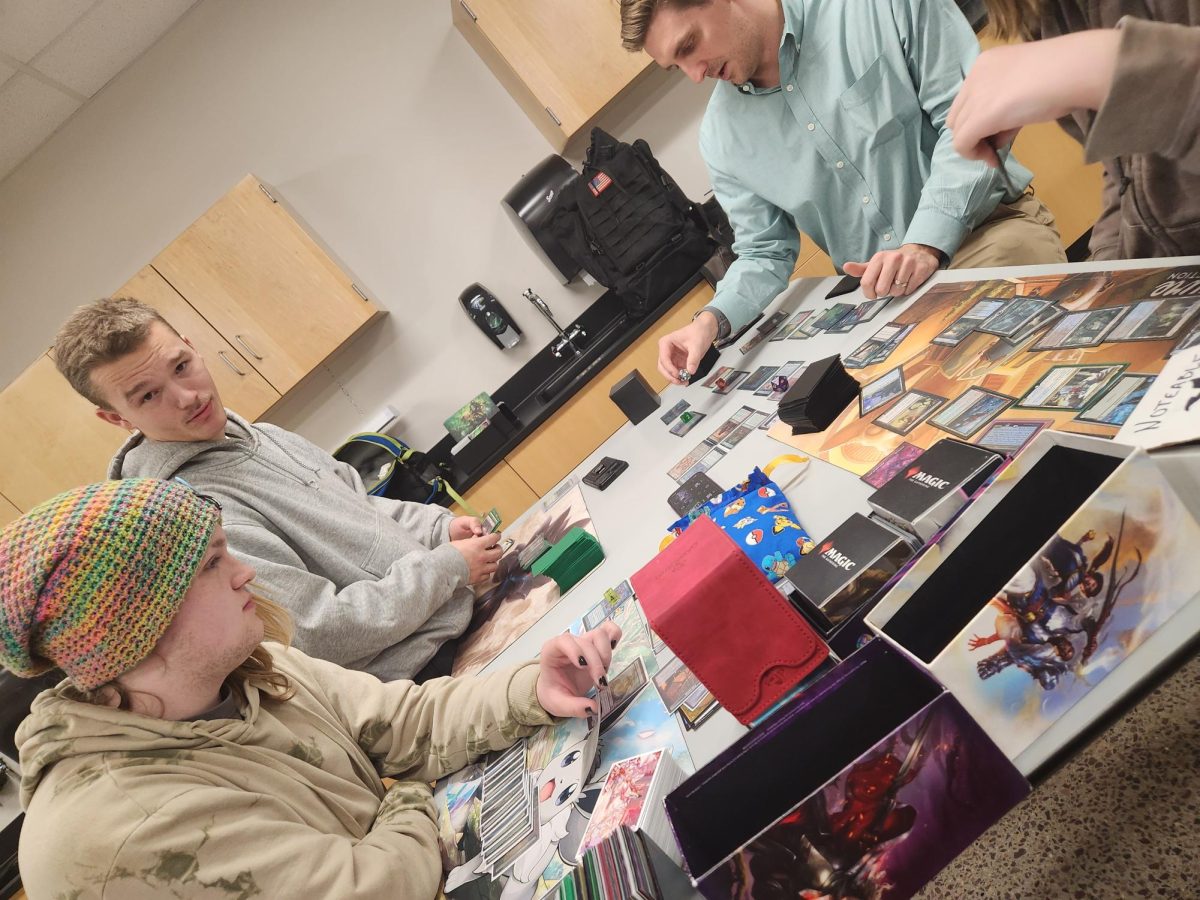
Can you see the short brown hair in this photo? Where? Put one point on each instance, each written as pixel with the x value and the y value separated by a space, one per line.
pixel 636 16
pixel 100 333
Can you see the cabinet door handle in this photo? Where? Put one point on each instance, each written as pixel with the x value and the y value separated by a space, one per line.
pixel 557 120
pixel 463 4
pixel 247 347
pixel 225 359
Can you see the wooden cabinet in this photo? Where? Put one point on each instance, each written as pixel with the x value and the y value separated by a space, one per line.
pixel 53 440
pixel 812 261
pixel 242 389
pixel 562 61
pixel 589 418
pixel 8 512
pixel 265 285
pixel 504 489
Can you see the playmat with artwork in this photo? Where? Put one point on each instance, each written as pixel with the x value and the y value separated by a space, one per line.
pixel 994 362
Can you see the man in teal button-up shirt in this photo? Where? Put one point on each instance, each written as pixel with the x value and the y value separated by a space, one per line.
pixel 831 120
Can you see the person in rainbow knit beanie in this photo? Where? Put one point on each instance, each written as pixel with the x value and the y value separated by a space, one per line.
pixel 191 752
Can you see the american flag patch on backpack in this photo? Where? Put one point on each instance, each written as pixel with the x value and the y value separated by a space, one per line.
pixel 598 184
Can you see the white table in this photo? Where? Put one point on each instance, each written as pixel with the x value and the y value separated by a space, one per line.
pixel 631 516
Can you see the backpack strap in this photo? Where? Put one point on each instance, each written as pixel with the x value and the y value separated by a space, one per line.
pixel 441 484
pixel 400 450
pixel 401 453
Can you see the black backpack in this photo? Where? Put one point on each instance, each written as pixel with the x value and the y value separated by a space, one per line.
pixel 627 223
pixel 391 468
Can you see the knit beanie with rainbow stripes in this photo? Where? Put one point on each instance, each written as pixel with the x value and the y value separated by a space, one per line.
pixel 90 580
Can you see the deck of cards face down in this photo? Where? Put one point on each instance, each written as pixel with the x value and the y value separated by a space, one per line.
pixel 818 396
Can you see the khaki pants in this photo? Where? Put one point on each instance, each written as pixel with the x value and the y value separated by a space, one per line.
pixel 1021 233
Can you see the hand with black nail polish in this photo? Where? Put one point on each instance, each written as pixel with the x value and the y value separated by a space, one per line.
pixel 570 666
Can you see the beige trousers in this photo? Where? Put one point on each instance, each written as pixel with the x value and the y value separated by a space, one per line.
pixel 1021 233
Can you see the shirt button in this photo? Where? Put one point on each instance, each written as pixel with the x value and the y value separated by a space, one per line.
pixel 791 87
pixel 812 126
pixel 866 199
pixel 840 164
pixel 746 88
pixel 887 236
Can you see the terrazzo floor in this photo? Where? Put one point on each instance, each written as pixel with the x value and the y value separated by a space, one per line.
pixel 1122 819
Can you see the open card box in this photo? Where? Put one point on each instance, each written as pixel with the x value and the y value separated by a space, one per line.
pixel 1056 594
pixel 866 785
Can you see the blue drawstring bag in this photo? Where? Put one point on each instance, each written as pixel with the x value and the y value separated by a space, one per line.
pixel 759 518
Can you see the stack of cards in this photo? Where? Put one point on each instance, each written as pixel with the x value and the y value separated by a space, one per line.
pixel 696 709
pixel 632 796
pixel 570 559
pixel 620 867
pixel 529 554
pixel 681 692
pixel 818 396
pixel 509 812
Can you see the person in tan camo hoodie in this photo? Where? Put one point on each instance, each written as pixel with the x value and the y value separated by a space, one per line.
pixel 191 753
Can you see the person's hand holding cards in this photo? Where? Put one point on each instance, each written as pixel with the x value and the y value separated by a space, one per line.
pixel 570 666
pixel 465 527
pixel 482 553
pixel 473 526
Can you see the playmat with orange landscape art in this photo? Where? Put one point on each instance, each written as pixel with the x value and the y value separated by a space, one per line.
pixel 993 362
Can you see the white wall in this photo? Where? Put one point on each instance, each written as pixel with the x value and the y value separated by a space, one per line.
pixel 379 127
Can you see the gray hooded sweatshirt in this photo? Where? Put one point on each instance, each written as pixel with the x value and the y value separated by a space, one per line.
pixel 372 583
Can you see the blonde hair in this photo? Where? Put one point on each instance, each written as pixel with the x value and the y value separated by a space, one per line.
pixel 100 333
pixel 636 16
pixel 257 670
pixel 1012 20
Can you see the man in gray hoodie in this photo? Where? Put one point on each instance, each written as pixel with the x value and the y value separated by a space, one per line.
pixel 373 584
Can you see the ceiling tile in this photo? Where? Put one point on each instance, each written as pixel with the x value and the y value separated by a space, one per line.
pixel 26 26
pixel 30 111
pixel 106 40
pixel 5 71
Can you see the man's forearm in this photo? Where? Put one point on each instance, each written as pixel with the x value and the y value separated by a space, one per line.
pixel 715 321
